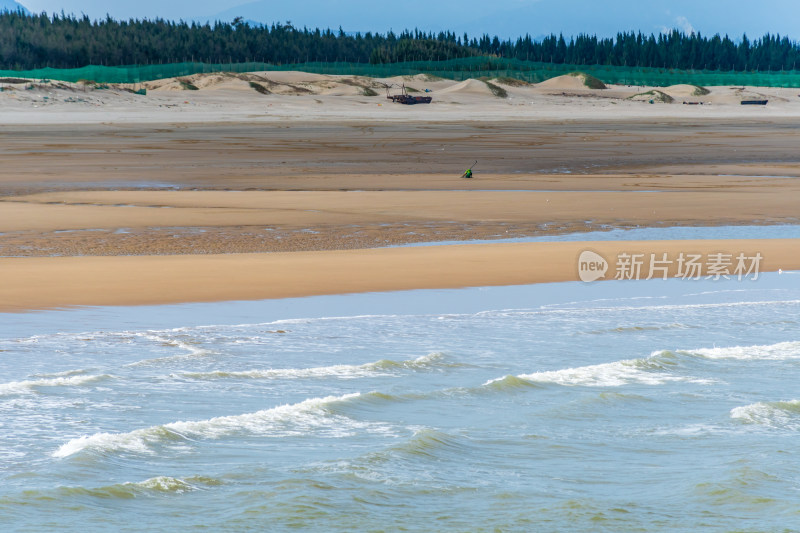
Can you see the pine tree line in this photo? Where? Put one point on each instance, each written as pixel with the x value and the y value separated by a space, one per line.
pixel 670 50
pixel 65 41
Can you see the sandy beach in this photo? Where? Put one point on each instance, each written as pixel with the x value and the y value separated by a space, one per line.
pixel 228 310
pixel 110 198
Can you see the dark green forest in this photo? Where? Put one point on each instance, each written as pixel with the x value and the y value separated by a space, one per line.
pixel 65 41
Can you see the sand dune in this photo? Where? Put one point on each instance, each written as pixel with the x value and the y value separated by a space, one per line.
pixel 293 76
pixel 686 91
pixel 653 95
pixel 277 82
pixel 470 86
pixel 296 95
pixel 567 82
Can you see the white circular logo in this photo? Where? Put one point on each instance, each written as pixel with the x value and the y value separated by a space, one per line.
pixel 591 266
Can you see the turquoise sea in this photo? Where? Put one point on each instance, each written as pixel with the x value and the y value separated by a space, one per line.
pixel 614 406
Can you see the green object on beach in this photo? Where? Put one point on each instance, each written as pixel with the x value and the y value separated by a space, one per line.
pixel 468 172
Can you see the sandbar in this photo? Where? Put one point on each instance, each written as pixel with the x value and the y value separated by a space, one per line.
pixel 55 282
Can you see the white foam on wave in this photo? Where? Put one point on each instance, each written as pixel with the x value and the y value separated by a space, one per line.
pixel 153 487
pixel 163 484
pixel 280 322
pixel 652 370
pixel 383 367
pixel 664 307
pixel 781 415
pixel 66 373
pixel 281 421
pixel 191 351
pixel 21 387
pixel 777 352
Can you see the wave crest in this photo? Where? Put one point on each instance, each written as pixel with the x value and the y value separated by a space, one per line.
pixel 509 383
pixel 776 352
pixel 153 487
pixel 429 443
pixel 780 415
pixel 378 368
pixel 284 420
pixel 656 369
pixel 22 387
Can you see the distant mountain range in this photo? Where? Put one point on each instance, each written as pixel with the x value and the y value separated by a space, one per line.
pixel 10 5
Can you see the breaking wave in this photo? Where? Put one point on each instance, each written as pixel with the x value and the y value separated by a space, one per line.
pixel 285 420
pixel 190 350
pixel 781 415
pixel 656 369
pixel 383 367
pixel 509 383
pixel 27 386
pixel 776 352
pixel 153 487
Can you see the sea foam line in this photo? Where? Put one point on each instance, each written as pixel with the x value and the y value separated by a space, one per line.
pixel 154 487
pixel 284 420
pixel 383 367
pixel 652 370
pixel 192 351
pixel 665 307
pixel 20 387
pixel 777 352
pixel 543 310
pixel 149 487
pixel 780 415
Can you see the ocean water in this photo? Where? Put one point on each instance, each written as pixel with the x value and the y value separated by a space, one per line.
pixel 667 233
pixel 614 406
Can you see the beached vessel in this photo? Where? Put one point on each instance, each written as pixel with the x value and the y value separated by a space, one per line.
pixel 404 97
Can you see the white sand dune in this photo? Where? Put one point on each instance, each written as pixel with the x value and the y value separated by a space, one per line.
pixel 281 83
pixel 470 86
pixel 567 82
pixel 275 95
pixel 654 95
pixel 293 76
pixel 685 91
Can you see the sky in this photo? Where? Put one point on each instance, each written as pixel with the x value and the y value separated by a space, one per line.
pixel 506 18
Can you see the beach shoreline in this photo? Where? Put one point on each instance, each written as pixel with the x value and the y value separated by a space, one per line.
pixel 112 198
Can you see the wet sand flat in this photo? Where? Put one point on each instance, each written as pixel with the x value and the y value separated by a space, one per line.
pixel 387 156
pixel 176 222
pixel 219 205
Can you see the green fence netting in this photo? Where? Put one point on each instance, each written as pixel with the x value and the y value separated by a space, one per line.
pixel 455 69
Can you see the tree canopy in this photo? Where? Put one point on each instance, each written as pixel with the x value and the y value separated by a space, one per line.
pixel 29 41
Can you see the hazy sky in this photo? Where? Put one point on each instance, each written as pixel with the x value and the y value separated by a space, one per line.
pixel 507 18
pixel 134 9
